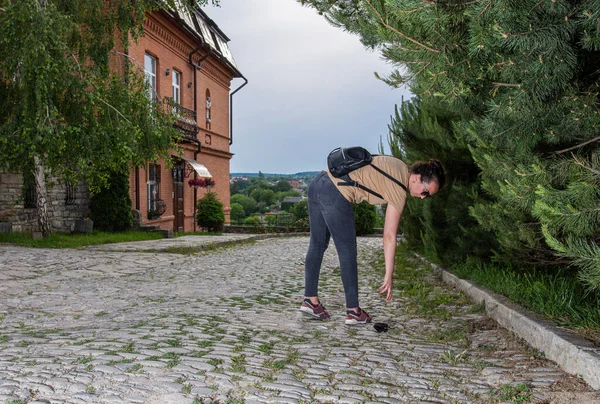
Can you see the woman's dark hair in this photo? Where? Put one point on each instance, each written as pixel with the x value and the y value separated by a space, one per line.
pixel 433 170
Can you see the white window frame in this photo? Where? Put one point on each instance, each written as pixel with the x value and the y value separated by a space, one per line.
pixel 150 64
pixel 153 186
pixel 176 83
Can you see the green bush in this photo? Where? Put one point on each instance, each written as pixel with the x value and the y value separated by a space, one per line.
pixel 365 216
pixel 237 213
pixel 210 213
pixel 111 207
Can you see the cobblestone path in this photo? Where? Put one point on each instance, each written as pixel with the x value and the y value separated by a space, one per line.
pixel 223 326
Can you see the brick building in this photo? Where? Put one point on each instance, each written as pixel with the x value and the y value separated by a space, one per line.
pixel 187 61
pixel 190 68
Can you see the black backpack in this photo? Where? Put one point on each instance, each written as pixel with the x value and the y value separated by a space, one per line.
pixel 343 160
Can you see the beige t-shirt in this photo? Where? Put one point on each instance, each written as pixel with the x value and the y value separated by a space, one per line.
pixel 369 177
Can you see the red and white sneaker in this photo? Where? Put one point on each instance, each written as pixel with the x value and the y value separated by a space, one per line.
pixel 357 318
pixel 314 310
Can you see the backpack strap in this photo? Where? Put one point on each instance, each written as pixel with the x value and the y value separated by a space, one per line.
pixel 351 183
pixel 390 177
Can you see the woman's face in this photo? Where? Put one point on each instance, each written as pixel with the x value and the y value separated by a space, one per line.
pixel 419 189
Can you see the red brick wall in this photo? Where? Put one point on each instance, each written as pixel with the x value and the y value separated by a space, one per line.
pixel 171 47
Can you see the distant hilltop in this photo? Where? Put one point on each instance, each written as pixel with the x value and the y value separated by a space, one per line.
pixel 301 174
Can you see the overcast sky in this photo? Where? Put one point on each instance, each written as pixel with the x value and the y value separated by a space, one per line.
pixel 311 87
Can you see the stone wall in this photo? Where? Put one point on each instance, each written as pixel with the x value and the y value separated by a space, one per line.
pixel 62 216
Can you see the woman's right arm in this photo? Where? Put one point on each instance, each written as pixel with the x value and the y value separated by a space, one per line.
pixel 390 232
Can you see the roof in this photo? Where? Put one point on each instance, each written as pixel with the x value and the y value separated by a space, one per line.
pixel 292 199
pixel 202 27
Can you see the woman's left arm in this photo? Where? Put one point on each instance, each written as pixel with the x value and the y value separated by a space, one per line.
pixel 390 232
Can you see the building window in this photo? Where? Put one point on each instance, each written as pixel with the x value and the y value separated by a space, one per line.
pixel 150 70
pixel 153 188
pixel 208 107
pixel 176 86
pixel 69 194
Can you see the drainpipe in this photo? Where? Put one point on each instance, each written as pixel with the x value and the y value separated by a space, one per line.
pixel 195 189
pixel 231 109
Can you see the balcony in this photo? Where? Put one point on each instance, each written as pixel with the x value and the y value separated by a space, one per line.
pixel 185 119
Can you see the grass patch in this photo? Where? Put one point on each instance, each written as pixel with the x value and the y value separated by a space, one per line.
pixel 65 240
pixel 412 280
pixel 266 348
pixel 238 363
pixel 559 296
pixel 215 362
pixel 455 334
pixel 518 393
pixel 190 250
pixel 205 343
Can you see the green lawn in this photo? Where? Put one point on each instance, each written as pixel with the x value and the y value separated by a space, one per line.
pixel 65 240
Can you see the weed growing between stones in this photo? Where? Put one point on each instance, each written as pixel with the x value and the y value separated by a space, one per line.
pixel 267 347
pixel 238 363
pixel 215 362
pixel 137 368
pixel 516 393
pixel 454 334
pixel 84 360
pixel 452 358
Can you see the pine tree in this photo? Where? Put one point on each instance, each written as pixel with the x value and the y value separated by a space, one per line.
pixel 524 73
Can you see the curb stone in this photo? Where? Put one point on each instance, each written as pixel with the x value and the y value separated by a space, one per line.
pixel 572 353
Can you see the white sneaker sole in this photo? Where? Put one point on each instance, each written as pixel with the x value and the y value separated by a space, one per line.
pixel 310 312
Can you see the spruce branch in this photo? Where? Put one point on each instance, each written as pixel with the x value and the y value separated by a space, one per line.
pixel 579 163
pixel 385 24
pixel 503 132
pixel 577 146
pixel 496 84
pixel 417 73
pixel 437 3
pixel 485 8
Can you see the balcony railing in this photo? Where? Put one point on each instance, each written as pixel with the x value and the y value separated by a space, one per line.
pixel 185 119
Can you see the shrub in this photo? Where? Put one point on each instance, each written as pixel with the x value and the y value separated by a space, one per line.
pixel 365 215
pixel 210 213
pixel 111 207
pixel 237 213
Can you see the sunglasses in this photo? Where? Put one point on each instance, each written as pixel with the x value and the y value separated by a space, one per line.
pixel 425 192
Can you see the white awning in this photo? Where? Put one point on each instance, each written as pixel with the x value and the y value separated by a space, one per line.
pixel 200 169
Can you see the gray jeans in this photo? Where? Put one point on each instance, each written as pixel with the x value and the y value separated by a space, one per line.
pixel 330 215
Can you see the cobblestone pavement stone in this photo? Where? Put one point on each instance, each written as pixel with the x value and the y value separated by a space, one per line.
pixel 111 324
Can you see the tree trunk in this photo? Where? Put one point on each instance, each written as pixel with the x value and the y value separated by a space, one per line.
pixel 41 195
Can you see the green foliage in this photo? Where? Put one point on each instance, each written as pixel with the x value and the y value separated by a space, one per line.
pixel 300 210
pixel 282 186
pixel 64 240
pixel 209 213
pixel 513 85
pixel 441 227
pixel 249 204
pixel 111 206
pixel 365 216
pixel 556 294
pixel 253 221
pixel 237 212
pixel 60 97
pixel 266 196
